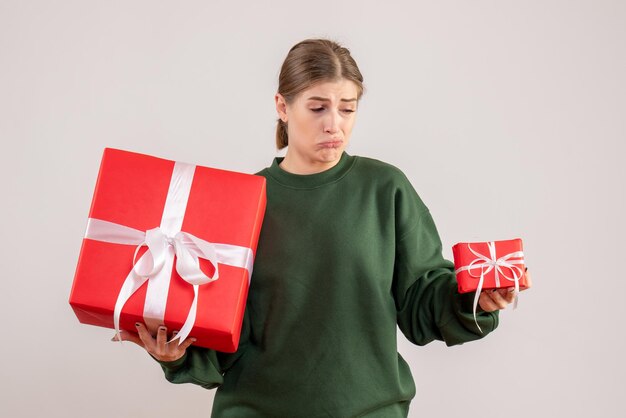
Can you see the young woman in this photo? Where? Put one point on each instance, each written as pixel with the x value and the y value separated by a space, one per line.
pixel 348 252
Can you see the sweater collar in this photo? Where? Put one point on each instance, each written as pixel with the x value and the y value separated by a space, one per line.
pixel 311 181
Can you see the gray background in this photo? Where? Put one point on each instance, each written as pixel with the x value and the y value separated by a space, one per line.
pixel 507 116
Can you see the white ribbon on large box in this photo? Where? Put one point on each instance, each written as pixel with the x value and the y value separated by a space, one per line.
pixel 168 244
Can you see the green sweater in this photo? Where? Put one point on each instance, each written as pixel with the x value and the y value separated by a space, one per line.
pixel 344 256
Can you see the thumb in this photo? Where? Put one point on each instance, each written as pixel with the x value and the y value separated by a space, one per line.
pixel 128 336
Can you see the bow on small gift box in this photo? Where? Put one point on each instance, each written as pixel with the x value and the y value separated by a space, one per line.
pixel 489 265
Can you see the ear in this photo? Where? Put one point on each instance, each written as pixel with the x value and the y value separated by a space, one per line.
pixel 281 106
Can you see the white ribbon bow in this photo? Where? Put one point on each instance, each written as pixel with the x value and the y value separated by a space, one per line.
pixel 188 250
pixel 167 243
pixel 486 264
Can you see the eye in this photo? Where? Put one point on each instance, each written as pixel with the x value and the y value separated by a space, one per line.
pixel 318 109
pixel 348 110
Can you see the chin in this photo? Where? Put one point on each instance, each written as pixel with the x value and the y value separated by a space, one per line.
pixel 330 155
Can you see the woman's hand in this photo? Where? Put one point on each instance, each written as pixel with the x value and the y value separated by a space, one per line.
pixel 493 299
pixel 158 347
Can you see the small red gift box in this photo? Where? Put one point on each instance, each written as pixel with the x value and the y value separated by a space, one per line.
pixel 489 265
pixel 169 243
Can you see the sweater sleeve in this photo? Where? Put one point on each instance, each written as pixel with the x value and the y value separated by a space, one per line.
pixel 428 304
pixel 203 366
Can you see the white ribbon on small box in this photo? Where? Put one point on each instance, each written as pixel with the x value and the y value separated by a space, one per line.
pixel 487 263
pixel 167 243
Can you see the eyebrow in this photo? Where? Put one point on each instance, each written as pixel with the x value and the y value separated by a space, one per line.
pixel 324 99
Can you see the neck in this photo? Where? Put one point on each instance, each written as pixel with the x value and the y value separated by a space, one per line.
pixel 297 166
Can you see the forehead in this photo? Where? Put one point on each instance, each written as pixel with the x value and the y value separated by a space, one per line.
pixel 334 91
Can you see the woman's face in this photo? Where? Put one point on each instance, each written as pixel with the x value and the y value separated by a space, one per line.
pixel 319 124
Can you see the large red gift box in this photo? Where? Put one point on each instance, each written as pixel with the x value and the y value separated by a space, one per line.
pixel 489 265
pixel 169 243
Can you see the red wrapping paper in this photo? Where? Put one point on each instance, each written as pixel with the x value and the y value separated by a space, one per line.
pixel 506 251
pixel 223 207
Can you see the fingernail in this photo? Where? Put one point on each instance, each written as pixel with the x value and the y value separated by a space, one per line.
pixel 193 340
pixel 162 328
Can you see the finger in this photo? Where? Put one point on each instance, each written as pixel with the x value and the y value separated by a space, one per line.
pixel 148 342
pixel 161 338
pixel 508 295
pixel 497 299
pixel 173 340
pixel 185 345
pixel 486 303
pixel 529 282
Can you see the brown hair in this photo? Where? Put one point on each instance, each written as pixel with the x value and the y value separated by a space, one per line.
pixel 309 62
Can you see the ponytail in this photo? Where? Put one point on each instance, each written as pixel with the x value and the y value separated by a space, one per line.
pixel 281 135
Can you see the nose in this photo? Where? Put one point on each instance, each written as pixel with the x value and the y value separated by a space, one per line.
pixel 331 123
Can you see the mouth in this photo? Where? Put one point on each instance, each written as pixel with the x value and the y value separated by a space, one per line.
pixel 331 144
